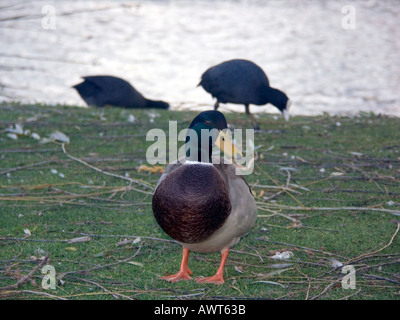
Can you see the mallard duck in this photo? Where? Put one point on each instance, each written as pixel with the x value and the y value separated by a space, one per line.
pixel 108 90
pixel 243 82
pixel 203 205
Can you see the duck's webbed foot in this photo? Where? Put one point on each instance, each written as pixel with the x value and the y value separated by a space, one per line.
pixel 184 273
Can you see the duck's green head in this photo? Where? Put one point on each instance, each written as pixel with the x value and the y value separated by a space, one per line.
pixel 207 129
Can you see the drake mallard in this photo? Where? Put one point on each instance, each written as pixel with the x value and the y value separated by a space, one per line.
pixel 203 205
pixel 243 82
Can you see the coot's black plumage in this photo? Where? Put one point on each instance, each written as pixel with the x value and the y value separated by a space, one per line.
pixel 242 82
pixel 108 90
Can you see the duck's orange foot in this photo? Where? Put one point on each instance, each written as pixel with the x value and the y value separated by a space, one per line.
pixel 215 279
pixel 181 275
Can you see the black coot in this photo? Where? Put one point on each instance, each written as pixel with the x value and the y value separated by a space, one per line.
pixel 243 82
pixel 107 90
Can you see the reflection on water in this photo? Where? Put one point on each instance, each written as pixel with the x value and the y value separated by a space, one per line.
pixel 163 47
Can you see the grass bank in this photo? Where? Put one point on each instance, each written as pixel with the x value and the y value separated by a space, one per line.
pixel 327 189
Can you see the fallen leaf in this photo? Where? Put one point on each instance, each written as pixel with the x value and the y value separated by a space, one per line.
pixel 282 256
pixel 135 263
pixel 56 136
pixel 60 137
pixel 335 263
pixel 35 136
pixel 337 174
pixel 40 251
pixel 358 154
pixel 12 136
pixel 17 130
pixel 80 239
pixel 296 224
pixel 155 169
pixel 131 118
pixel 239 269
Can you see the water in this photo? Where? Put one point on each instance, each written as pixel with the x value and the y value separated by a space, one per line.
pixel 163 47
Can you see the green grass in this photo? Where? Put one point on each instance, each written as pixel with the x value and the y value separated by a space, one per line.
pixel 335 162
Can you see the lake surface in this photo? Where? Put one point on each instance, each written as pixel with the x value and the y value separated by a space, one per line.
pixel 162 48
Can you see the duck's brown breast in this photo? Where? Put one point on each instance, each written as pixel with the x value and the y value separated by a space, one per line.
pixel 192 203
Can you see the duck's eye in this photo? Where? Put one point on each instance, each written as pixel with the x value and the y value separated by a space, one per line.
pixel 207 122
pixel 223 139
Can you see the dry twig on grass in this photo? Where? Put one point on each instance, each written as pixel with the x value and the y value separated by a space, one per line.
pixel 27 277
pixel 368 254
pixel 110 174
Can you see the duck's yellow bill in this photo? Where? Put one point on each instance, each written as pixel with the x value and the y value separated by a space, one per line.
pixel 224 143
